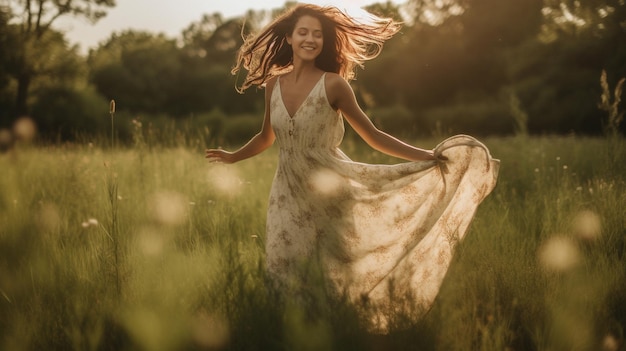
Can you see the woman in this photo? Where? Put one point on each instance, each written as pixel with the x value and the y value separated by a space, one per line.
pixel 380 234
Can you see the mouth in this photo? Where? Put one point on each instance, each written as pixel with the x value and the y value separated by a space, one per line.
pixel 309 48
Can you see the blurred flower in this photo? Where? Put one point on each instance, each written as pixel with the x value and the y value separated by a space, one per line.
pixel 225 180
pixel 168 207
pixel 136 123
pixel 209 331
pixel 587 225
pixel 610 343
pixel 24 129
pixel 151 242
pixel 326 182
pixel 6 138
pixel 89 223
pixel 558 254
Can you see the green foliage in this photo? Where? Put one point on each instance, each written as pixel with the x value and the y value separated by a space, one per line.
pixel 476 115
pixel 240 129
pixel 396 120
pixel 65 112
pixel 453 66
pixel 35 44
pixel 190 269
pixel 138 70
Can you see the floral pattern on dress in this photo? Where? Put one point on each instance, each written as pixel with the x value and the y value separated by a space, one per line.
pixel 371 229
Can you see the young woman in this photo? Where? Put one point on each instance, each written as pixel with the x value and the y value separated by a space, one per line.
pixel 380 234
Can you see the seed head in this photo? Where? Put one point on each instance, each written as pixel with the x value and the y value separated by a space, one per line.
pixel 112 107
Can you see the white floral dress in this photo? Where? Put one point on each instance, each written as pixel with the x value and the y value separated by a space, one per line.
pixel 370 229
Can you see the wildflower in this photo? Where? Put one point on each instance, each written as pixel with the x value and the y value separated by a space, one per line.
pixel 558 254
pixel 168 208
pixel 5 138
pixel 136 123
pixel 89 223
pixel 610 343
pixel 565 167
pixel 225 180
pixel 587 225
pixel 24 128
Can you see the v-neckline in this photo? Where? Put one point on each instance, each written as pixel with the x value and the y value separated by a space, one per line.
pixel 280 91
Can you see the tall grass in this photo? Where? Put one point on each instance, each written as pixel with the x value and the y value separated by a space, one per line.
pixel 185 268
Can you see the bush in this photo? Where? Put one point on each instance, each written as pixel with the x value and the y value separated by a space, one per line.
pixel 65 112
pixel 396 119
pixel 482 116
pixel 239 129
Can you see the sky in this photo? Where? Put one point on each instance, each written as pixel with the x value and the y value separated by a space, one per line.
pixel 168 16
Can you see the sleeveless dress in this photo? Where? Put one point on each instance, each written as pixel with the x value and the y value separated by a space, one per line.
pixel 383 234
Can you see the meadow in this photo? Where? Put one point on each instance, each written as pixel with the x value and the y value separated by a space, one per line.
pixel 147 247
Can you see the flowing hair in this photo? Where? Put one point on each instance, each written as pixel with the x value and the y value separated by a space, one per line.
pixel 348 43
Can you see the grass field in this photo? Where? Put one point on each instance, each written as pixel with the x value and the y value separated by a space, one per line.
pixel 152 248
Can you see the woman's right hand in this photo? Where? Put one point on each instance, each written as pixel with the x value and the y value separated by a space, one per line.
pixel 219 156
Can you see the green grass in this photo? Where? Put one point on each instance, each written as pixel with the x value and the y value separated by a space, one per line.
pixel 151 248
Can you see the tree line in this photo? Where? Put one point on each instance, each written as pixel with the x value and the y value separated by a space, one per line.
pixel 458 66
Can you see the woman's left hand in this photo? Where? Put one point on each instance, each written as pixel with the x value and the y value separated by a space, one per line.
pixel 218 156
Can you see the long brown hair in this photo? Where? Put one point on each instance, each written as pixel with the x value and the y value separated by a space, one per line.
pixel 347 43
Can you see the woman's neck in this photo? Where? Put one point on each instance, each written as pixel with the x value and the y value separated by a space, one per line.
pixel 303 69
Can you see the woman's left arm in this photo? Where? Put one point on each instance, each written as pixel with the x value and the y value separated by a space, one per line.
pixel 341 96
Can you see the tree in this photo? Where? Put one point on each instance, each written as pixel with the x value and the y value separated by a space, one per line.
pixel 139 70
pixel 5 42
pixel 34 20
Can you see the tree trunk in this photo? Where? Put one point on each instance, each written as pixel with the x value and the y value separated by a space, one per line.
pixel 23 83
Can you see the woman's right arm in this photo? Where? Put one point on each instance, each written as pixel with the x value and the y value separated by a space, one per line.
pixel 259 143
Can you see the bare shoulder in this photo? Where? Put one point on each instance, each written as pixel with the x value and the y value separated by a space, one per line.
pixel 335 81
pixel 337 88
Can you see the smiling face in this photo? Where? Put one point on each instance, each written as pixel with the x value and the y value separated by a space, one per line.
pixel 307 38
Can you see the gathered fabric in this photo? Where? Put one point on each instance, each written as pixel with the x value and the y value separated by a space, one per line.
pixel 376 232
